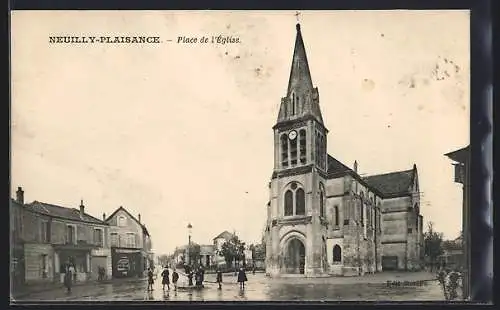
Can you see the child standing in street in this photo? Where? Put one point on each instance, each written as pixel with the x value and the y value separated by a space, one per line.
pixel 175 277
pixel 165 278
pixel 151 280
pixel 219 278
pixel 242 278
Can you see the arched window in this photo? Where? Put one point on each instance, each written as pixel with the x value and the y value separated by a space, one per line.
pixel 284 150
pixel 336 215
pixel 293 104
pixel 295 200
pixel 293 151
pixel 288 203
pixel 337 254
pixel 300 200
pixel 321 204
pixel 321 200
pixel 302 147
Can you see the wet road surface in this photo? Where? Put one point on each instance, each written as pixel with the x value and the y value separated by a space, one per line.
pixel 261 288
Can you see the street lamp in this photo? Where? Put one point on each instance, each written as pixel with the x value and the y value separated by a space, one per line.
pixel 190 228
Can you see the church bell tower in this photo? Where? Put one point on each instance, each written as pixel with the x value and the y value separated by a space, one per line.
pixel 296 232
pixel 300 135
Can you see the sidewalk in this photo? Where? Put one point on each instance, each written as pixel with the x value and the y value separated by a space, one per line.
pixel 47 287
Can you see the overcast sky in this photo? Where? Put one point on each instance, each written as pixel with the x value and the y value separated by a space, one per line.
pixel 182 132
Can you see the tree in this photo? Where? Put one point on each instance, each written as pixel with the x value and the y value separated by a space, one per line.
pixel 232 250
pixel 163 259
pixel 432 244
pixel 194 253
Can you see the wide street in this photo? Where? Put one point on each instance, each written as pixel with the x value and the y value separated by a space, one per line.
pixel 261 288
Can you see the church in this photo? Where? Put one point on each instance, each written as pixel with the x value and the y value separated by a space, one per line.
pixel 323 218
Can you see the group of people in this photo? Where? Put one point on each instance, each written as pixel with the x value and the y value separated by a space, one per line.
pixel 198 274
pixel 165 275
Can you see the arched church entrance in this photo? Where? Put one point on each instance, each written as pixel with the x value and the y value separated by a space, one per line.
pixel 295 257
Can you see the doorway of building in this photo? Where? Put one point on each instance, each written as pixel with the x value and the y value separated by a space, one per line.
pixel 295 254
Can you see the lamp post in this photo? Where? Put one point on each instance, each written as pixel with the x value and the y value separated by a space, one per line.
pixel 190 228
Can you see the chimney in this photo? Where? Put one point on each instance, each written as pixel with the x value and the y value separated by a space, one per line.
pixel 356 166
pixel 20 195
pixel 139 217
pixel 82 208
pixel 104 216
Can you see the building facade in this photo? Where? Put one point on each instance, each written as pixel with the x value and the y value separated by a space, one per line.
pixel 323 217
pixel 218 241
pixel 17 274
pixel 131 245
pixel 53 235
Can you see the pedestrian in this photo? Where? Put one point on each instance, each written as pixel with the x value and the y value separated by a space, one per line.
pixel 253 270
pixel 151 280
pixel 165 281
pixel 68 277
pixel 72 271
pixel 175 277
pixel 242 278
pixel 190 278
pixel 199 278
pixel 219 278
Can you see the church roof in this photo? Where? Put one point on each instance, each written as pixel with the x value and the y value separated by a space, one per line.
pixel 335 167
pixel 61 212
pixel 393 183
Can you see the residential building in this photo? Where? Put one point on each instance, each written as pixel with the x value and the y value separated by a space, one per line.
pixel 461 158
pixel 131 245
pixel 324 217
pixel 207 255
pixel 17 274
pixel 218 241
pixel 53 235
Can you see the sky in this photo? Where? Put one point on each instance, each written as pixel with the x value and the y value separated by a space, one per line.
pixel 182 133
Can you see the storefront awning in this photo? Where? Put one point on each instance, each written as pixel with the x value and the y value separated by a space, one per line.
pixel 127 251
pixel 74 247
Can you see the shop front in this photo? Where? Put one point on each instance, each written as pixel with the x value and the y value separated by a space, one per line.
pixel 127 262
pixel 76 256
pixel 17 267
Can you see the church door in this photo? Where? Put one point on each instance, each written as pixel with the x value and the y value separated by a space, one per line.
pixel 295 257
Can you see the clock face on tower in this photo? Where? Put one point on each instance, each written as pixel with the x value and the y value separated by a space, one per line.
pixel 292 135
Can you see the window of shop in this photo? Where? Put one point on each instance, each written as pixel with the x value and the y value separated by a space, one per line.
pixel 70 234
pixel 130 240
pixel 44 231
pixel 114 240
pixel 98 237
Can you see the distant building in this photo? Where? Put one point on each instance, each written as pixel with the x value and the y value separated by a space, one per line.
pixel 453 254
pixel 131 245
pixel 218 241
pixel 207 255
pixel 53 235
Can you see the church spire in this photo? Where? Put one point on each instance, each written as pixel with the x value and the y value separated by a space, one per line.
pixel 300 77
pixel 302 98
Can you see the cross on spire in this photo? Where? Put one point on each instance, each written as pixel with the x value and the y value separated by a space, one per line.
pixel 297 14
